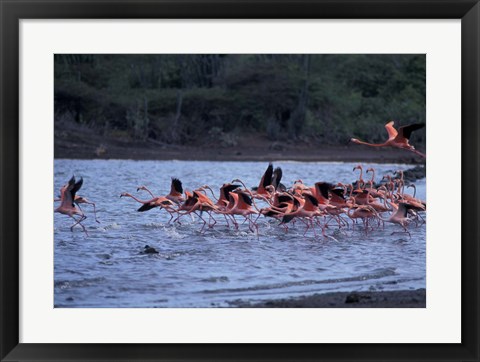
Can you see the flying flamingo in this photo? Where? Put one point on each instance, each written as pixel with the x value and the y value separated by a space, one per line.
pixel 225 190
pixel 398 139
pixel 196 201
pixel 206 204
pixel 261 191
pixel 282 204
pixel 176 191
pixel 399 217
pixel 83 200
pixel 160 202
pixel 307 208
pixel 175 194
pixel 67 206
pixel 321 191
pixel 240 203
pixel 223 200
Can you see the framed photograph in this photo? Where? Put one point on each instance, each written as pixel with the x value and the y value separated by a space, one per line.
pixel 239 181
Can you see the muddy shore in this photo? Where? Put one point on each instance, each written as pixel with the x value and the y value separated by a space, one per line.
pixel 87 144
pixel 188 153
pixel 368 299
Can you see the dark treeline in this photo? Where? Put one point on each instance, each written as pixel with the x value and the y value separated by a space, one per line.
pixel 188 99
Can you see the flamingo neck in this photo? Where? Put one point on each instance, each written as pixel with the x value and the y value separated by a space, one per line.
pixel 136 199
pixel 371 144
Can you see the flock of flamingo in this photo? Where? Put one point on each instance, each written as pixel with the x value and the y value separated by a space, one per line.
pixel 322 205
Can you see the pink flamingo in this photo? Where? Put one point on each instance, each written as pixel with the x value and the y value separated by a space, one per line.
pixel 398 139
pixel 67 206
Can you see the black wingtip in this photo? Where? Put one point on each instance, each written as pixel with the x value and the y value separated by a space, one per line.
pixel 79 183
pixel 247 199
pixel 407 130
pixel 267 176
pixel 324 187
pixel 277 177
pixel 312 199
pixel 177 185
pixel 145 207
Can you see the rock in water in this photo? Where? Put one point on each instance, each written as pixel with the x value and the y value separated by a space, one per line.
pixel 352 298
pixel 149 250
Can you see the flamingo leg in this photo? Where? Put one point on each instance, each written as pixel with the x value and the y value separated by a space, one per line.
pixel 79 222
pixel 226 219
pixel 251 222
pixel 180 215
pixel 204 222
pixel 171 217
pixel 313 228
pixel 420 216
pixel 94 210
pixel 211 218
pixel 235 222
pixel 247 218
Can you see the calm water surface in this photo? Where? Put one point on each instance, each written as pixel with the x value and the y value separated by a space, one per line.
pixel 221 265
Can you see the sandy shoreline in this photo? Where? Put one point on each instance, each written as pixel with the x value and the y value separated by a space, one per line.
pixel 364 299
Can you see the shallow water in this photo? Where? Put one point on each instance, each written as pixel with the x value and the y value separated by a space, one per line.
pixel 220 265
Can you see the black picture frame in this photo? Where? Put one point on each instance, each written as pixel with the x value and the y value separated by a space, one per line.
pixel 12 11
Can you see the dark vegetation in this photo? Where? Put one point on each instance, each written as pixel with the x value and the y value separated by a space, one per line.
pixel 219 100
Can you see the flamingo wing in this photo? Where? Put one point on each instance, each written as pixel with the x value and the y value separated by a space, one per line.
pixel 176 186
pixel 406 131
pixel 277 177
pixel 76 187
pixel 403 209
pixel 71 182
pixel 310 198
pixel 146 207
pixel 203 198
pixel 245 199
pixel 338 192
pixel 227 188
pixel 68 191
pixel 232 201
pixel 191 199
pixel 166 202
pixel 267 177
pixel 285 198
pixel 392 132
pixel 323 188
